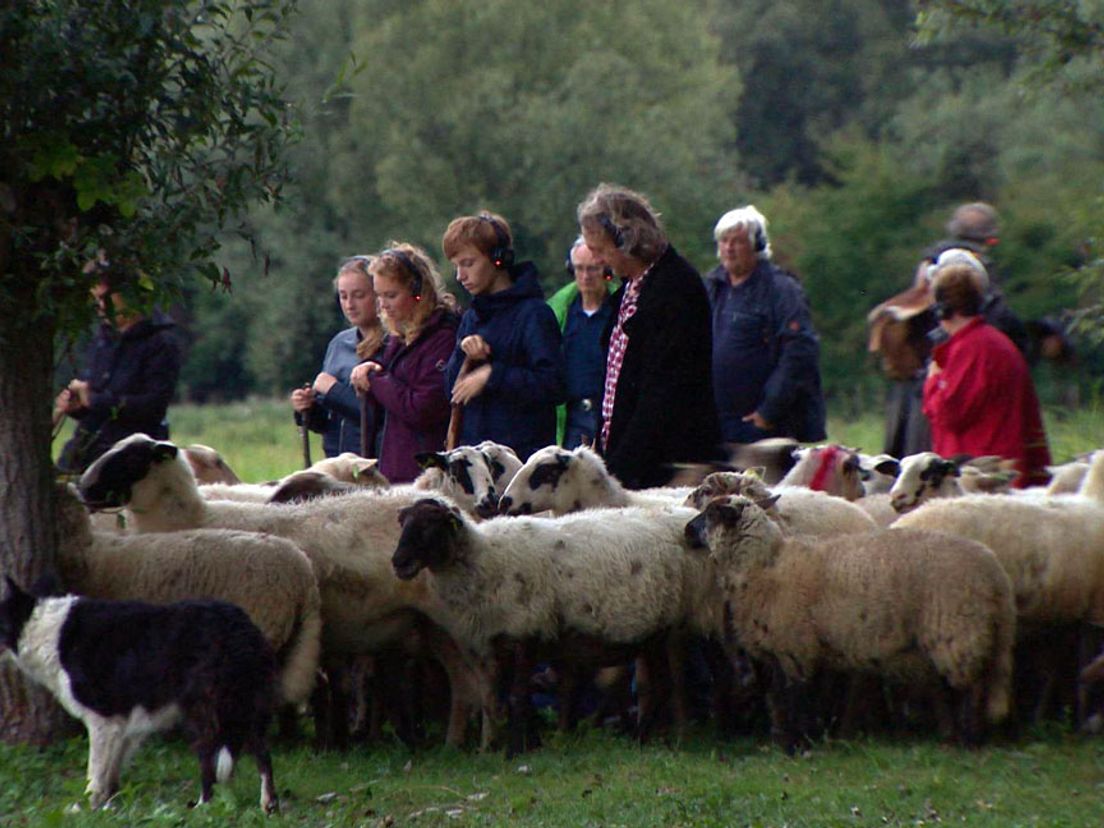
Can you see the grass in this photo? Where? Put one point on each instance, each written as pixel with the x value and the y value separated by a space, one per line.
pixel 1049 778
pixel 594 778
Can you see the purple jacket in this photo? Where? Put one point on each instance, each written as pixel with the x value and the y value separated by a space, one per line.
pixel 411 391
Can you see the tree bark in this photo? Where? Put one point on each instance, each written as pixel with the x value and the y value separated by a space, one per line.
pixel 28 536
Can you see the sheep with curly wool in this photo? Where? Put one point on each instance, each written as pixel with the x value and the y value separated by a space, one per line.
pixel 801 512
pixel 563 480
pixel 349 540
pixel 900 604
pixel 595 586
pixel 269 577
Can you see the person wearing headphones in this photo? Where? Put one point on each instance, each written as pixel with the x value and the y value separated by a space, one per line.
pixel 978 394
pixel 406 381
pixel 507 369
pixel 766 371
pixel 329 404
pixel 656 409
pixel 583 309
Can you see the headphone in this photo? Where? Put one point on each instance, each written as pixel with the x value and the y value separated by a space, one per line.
pixel 569 266
pixel 760 240
pixel 502 256
pixel 408 263
pixel 615 232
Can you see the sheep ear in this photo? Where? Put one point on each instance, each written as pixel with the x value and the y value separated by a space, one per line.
pixel 163 451
pixel 758 471
pixel 431 460
pixel 950 467
pixel 890 467
pixel 767 502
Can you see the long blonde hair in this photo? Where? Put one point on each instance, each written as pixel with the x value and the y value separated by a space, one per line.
pixel 406 263
pixel 371 339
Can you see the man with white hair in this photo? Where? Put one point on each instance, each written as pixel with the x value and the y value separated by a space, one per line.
pixel 766 373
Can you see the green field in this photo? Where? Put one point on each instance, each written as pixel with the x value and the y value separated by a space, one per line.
pixel 1050 777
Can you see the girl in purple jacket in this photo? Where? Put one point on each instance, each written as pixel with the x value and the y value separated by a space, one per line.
pixel 407 382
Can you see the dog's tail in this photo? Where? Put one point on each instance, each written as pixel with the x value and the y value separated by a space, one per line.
pixel 224 765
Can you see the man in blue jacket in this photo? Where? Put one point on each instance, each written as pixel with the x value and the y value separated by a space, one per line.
pixel 766 374
pixel 129 376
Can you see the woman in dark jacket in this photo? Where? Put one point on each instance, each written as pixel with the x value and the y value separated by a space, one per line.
pixel 128 380
pixel 510 337
pixel 330 403
pixel 407 381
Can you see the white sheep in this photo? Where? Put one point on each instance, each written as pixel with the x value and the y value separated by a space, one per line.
pixel 347 469
pixel 563 481
pixel 349 540
pixel 269 577
pixel 503 460
pixel 208 466
pixel 901 604
pixel 1066 478
pixel 922 477
pixel 464 475
pixel 878 471
pixel 831 468
pixel 620 580
pixel 801 512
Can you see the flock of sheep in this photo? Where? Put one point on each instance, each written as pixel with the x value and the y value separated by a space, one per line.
pixel 795 589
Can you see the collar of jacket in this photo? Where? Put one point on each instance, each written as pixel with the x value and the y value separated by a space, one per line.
pixel 526 286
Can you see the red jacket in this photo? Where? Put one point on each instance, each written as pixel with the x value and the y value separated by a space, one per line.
pixel 983 402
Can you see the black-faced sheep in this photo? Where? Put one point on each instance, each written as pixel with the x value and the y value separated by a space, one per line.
pixel 592 582
pixel 910 606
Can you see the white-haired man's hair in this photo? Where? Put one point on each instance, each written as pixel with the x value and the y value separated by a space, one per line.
pixel 751 221
pixel 961 256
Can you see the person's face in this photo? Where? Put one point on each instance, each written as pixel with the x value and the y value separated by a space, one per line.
pixel 589 269
pixel 395 298
pixel 358 300
pixel 604 249
pixel 118 305
pixel 736 251
pixel 475 271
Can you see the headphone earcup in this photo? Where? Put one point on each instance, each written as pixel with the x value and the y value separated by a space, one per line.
pixel 568 266
pixel 760 240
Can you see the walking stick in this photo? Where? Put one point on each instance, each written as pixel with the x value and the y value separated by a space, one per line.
pixel 456 416
pixel 304 435
pixel 364 422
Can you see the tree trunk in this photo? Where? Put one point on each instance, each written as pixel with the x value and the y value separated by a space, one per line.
pixel 28 536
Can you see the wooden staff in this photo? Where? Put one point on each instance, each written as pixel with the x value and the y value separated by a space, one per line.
pixel 364 422
pixel 304 433
pixel 456 416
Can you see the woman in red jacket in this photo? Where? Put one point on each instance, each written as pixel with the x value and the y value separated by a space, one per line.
pixel 979 396
pixel 408 380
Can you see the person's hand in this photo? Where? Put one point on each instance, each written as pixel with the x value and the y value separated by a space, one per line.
pixel 302 399
pixel 476 347
pixel 324 382
pixel 471 385
pixel 933 369
pixel 65 403
pixel 79 390
pixel 360 378
pixel 756 419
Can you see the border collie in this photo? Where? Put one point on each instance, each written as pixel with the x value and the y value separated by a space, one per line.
pixel 127 669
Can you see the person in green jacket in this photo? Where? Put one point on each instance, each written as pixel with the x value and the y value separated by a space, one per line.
pixel 584 314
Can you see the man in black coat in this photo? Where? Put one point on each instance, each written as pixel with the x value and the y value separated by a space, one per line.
pixel 129 375
pixel 658 404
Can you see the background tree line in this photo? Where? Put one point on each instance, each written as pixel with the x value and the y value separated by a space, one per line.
pixel 854 138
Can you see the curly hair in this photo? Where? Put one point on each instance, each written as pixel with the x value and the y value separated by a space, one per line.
pixel 627 218
pixel 405 263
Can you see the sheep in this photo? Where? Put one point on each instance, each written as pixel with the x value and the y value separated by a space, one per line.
pixel 1067 477
pixel 924 476
pixel 348 539
pixel 905 604
pixel 832 469
pixel 346 471
pixel 583 581
pixel 878 472
pixel 503 461
pixel 800 512
pixel 269 577
pixel 208 465
pixel 463 474
pixel 775 455
pixel 564 481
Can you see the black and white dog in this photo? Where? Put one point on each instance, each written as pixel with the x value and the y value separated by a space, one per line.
pixel 127 669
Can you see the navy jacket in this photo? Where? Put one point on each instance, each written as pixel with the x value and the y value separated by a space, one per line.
pixel 661 411
pixel 132 377
pixel 518 405
pixel 336 414
pixel 766 355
